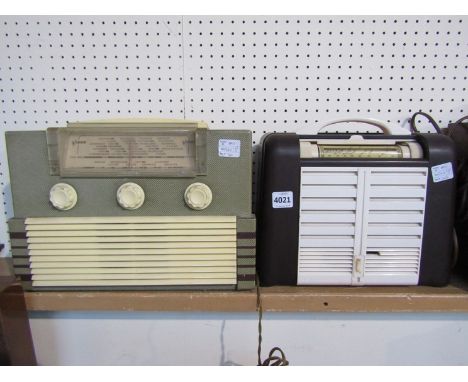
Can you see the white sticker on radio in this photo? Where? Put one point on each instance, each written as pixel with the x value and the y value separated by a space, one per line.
pixel 442 172
pixel 282 199
pixel 229 148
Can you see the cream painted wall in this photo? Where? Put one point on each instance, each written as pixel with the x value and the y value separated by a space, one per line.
pixel 113 338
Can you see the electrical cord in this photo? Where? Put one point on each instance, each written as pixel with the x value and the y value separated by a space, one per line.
pixel 428 117
pixel 272 360
pixel 462 119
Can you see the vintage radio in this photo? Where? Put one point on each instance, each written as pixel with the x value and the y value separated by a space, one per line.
pixel 355 209
pixel 132 204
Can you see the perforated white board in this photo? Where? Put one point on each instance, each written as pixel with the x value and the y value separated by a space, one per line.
pixel 259 73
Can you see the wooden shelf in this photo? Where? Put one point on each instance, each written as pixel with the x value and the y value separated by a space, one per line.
pixel 180 301
pixel 453 298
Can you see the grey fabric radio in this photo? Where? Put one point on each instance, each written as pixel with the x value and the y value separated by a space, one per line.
pixel 132 204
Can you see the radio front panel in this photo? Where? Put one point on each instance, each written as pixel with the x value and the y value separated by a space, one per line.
pixel 362 209
pixel 132 204
pixel 229 179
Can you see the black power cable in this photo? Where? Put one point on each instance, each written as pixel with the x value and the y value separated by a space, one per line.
pixel 434 124
pixel 272 360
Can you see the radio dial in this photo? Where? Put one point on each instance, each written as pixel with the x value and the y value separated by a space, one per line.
pixel 63 196
pixel 198 196
pixel 130 196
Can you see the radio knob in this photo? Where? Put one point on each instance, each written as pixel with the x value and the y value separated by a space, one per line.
pixel 63 196
pixel 198 196
pixel 130 196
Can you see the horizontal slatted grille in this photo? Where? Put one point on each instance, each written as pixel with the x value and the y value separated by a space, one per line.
pixel 396 208
pixel 328 204
pixel 382 262
pixel 361 225
pixel 132 251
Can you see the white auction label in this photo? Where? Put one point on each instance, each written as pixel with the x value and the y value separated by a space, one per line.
pixel 229 148
pixel 282 199
pixel 442 172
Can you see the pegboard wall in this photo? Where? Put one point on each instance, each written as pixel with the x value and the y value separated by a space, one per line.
pixel 263 73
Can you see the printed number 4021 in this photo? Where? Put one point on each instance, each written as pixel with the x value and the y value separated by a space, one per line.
pixel 283 199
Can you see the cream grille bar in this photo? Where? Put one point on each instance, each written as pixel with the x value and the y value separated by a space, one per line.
pixel 207 258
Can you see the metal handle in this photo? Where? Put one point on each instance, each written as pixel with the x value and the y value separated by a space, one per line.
pixel 386 128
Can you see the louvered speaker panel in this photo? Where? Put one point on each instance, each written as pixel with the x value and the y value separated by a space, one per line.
pixel 329 207
pixel 132 251
pixel 393 225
